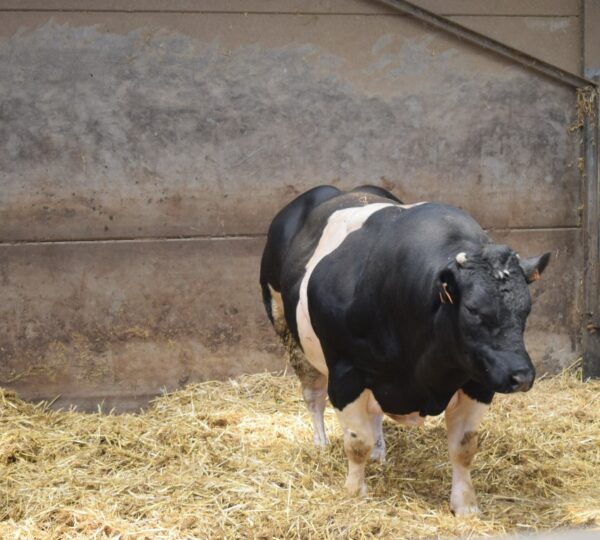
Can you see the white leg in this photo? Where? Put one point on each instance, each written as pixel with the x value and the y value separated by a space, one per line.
pixel 359 440
pixel 378 452
pixel 376 415
pixel 315 399
pixel 463 416
pixel 314 389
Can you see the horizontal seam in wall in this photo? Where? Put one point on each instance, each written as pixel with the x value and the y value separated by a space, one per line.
pixel 520 15
pixel 220 12
pixel 131 239
pixel 534 229
pixel 230 237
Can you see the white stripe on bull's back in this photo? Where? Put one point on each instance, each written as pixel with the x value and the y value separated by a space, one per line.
pixel 339 225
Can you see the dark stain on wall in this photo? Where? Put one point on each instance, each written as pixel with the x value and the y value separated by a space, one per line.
pixel 106 135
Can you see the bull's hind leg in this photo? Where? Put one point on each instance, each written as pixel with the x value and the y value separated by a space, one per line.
pixel 360 436
pixel 314 390
pixel 314 383
pixel 463 416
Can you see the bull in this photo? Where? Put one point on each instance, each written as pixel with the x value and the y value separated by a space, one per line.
pixel 396 309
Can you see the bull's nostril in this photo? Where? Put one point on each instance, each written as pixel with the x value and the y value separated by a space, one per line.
pixel 516 379
pixel 519 381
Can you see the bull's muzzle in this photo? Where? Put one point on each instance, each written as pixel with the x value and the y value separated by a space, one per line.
pixel 520 381
pixel 508 371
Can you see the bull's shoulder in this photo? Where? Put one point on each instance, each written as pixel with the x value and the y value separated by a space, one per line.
pixel 432 220
pixel 323 237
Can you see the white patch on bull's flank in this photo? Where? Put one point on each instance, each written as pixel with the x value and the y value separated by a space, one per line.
pixel 339 225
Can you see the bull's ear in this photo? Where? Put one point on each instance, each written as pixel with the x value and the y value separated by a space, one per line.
pixel 534 266
pixel 449 291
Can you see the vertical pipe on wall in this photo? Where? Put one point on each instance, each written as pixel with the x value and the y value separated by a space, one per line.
pixel 591 236
pixel 590 15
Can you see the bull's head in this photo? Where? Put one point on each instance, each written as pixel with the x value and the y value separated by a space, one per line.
pixel 488 290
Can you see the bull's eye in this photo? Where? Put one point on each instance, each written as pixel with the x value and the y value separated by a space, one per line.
pixel 482 316
pixel 471 310
pixel 479 317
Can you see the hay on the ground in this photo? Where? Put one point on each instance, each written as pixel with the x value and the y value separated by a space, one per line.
pixel 236 460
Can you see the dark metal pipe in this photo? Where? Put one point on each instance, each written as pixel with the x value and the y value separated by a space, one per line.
pixel 588 91
pixel 591 238
pixel 488 43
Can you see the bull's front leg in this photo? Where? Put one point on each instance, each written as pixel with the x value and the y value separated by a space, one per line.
pixel 360 437
pixel 463 416
pixel 378 452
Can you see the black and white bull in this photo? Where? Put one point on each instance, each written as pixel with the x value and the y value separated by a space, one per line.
pixel 404 310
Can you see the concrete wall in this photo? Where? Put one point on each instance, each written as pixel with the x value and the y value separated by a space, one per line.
pixel 143 151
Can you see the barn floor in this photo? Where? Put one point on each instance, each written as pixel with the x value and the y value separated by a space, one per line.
pixel 236 460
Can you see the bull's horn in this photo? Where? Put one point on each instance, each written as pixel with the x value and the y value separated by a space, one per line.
pixel 461 258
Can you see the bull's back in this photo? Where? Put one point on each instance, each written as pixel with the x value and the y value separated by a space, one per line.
pixel 282 231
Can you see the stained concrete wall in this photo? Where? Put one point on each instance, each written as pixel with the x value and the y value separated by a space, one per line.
pixel 143 151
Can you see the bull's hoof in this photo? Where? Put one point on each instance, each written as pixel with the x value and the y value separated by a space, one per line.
pixel 464 505
pixel 354 488
pixel 465 511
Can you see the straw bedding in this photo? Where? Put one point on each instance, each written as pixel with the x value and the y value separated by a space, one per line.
pixel 236 460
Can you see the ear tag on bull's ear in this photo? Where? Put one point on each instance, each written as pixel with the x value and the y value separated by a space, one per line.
pixel 445 296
